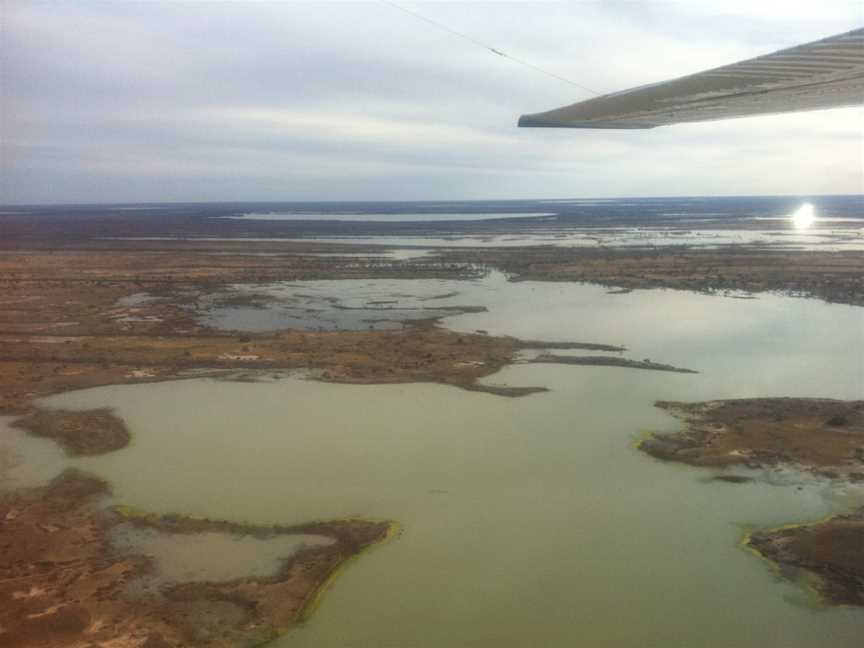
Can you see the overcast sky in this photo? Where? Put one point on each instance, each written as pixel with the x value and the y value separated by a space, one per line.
pixel 211 101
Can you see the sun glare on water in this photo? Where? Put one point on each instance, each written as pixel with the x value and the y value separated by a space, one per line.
pixel 803 217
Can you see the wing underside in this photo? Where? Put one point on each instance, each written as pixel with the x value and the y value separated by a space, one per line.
pixel 828 73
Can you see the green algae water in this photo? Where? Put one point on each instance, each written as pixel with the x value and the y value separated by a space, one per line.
pixel 530 521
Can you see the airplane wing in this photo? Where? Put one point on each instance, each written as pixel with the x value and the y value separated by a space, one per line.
pixel 827 73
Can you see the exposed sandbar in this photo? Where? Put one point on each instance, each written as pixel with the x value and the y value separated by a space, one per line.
pixel 587 346
pixel 503 390
pixel 607 361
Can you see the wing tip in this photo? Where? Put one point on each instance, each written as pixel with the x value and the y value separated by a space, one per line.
pixel 538 120
pixel 529 121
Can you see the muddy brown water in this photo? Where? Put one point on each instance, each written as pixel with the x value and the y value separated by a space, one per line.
pixel 525 522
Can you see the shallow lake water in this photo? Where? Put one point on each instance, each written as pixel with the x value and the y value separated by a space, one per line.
pixel 190 557
pixel 329 305
pixel 530 521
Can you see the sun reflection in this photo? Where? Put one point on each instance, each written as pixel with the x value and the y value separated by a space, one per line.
pixel 803 217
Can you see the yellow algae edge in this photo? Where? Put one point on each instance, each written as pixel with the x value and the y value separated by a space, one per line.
pixel 129 512
pixel 810 582
pixel 637 441
pixel 314 601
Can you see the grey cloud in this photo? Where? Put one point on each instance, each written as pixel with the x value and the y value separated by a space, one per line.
pixel 245 101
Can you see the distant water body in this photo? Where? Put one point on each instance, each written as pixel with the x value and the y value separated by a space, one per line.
pixel 577 211
pixel 837 222
pixel 401 217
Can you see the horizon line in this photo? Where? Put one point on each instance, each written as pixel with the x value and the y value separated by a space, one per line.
pixel 417 201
